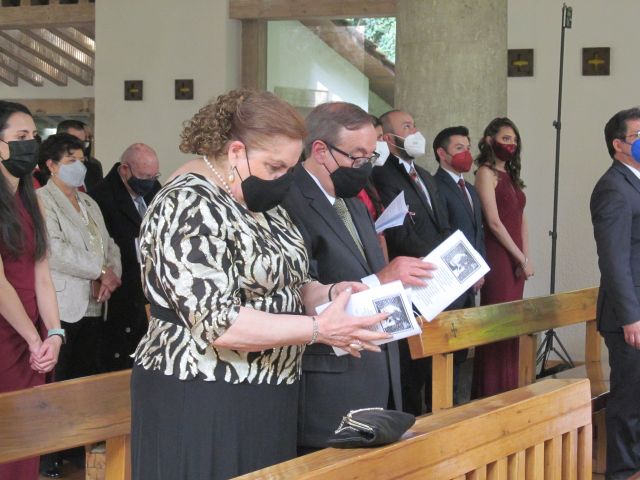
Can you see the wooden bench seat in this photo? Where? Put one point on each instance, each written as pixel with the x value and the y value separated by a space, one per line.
pixel 511 435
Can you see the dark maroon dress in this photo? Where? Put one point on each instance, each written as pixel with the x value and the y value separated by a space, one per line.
pixel 15 372
pixel 496 365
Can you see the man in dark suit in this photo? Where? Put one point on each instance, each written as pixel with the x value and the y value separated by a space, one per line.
pixel 81 131
pixel 451 148
pixel 342 244
pixel 423 230
pixel 123 197
pixel 615 214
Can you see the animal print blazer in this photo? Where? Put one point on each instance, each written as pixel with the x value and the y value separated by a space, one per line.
pixel 204 256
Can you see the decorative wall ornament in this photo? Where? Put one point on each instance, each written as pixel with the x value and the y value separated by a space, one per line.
pixel 133 89
pixel 184 89
pixel 596 61
pixel 520 62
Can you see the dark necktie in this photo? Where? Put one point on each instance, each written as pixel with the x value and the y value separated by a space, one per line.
pixel 413 174
pixel 345 216
pixel 140 206
pixel 461 184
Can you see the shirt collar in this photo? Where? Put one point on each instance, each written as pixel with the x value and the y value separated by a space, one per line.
pixel 331 198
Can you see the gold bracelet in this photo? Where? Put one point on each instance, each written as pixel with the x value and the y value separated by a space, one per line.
pixel 316 329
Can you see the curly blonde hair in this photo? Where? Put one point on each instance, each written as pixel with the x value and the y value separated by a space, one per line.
pixel 245 115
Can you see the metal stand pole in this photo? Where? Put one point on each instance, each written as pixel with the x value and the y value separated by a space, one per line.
pixel 546 347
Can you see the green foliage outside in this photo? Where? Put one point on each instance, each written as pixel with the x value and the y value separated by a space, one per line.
pixel 381 31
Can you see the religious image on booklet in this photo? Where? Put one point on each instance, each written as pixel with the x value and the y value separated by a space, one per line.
pixel 389 298
pixel 461 262
pixel 398 320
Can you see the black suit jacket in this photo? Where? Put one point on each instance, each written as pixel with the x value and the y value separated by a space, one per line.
pixel 426 227
pixel 615 214
pixel 462 217
pixel 332 385
pixel 126 317
pixel 94 173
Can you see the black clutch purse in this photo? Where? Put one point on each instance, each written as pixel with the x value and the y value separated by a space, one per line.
pixel 371 427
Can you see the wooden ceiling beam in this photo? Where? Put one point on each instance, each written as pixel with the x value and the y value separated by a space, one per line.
pixel 7 77
pixel 47 16
pixel 305 9
pixel 27 75
pixel 77 39
pixel 36 49
pixel 30 62
pixel 62 48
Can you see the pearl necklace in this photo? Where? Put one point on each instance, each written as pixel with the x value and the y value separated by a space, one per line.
pixel 218 176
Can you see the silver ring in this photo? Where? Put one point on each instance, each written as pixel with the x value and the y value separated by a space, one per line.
pixel 356 345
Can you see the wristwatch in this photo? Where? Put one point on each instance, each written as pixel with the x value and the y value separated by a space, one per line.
pixel 60 332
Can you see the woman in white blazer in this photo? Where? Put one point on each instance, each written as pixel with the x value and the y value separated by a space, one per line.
pixel 84 260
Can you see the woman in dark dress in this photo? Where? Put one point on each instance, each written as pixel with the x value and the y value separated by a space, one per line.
pixel 506 241
pixel 28 308
pixel 215 378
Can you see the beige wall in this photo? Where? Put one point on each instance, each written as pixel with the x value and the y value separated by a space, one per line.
pixel 587 104
pixel 158 41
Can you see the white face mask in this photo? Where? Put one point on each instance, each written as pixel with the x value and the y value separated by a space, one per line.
pixel 415 144
pixel 72 173
pixel 383 149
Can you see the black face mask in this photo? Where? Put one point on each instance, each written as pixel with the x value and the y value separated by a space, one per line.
pixel 23 157
pixel 348 181
pixel 141 186
pixel 261 195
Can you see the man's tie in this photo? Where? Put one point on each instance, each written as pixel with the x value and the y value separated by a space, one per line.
pixel 461 184
pixel 140 205
pixel 345 216
pixel 413 174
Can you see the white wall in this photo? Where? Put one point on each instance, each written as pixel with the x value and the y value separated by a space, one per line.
pixel 588 103
pixel 158 41
pixel 297 58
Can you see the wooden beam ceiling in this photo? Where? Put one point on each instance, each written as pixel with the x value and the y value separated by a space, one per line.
pixel 38 50
pixel 27 75
pixel 306 9
pixel 47 42
pixel 44 16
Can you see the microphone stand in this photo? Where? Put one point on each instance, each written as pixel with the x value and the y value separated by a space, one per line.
pixel 547 346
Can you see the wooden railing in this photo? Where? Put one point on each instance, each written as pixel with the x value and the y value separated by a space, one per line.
pixel 541 431
pixel 458 329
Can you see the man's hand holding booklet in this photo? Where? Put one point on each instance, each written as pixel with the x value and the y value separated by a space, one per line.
pixel 459 267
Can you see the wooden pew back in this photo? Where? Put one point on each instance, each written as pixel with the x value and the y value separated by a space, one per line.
pixel 69 414
pixel 458 329
pixel 539 431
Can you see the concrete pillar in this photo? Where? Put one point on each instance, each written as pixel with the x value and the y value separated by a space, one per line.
pixel 451 65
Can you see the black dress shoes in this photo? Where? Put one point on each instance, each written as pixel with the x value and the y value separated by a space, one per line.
pixel 53 471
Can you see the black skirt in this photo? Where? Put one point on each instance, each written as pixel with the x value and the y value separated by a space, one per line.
pixel 192 430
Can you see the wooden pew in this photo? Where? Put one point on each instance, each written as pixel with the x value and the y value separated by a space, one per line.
pixel 458 329
pixel 540 431
pixel 70 414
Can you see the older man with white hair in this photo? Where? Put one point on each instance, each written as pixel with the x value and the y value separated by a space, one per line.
pixel 123 197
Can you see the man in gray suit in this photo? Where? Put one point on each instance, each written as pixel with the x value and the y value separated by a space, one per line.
pixel 342 245
pixel 615 213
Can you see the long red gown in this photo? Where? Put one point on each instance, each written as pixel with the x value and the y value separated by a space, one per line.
pixel 495 367
pixel 15 372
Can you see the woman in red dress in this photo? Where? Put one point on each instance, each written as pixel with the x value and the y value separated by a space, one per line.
pixel 507 248
pixel 28 307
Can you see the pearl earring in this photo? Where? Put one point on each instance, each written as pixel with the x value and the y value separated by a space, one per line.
pixel 231 177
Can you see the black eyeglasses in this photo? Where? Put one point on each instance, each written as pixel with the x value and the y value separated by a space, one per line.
pixel 633 135
pixel 356 162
